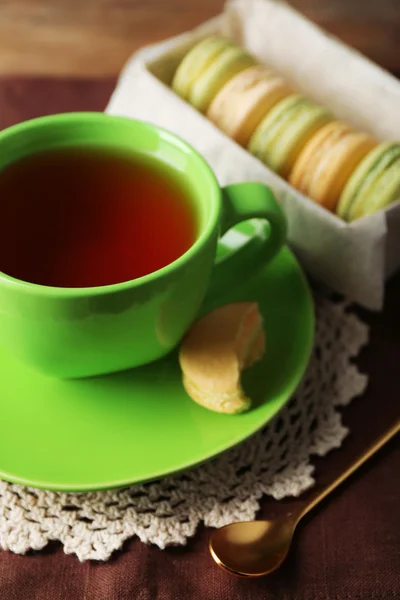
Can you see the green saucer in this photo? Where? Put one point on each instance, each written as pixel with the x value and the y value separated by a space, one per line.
pixel 139 425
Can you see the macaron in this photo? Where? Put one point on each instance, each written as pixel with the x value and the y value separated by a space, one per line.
pixel 375 184
pixel 196 61
pixel 216 350
pixel 326 162
pixel 282 134
pixel 245 100
pixel 231 61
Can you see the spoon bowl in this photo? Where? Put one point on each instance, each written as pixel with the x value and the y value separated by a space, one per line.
pixel 256 548
pixel 253 548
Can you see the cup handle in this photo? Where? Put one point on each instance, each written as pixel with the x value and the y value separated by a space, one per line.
pixel 243 201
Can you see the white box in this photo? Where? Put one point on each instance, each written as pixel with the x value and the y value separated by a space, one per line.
pixel 354 259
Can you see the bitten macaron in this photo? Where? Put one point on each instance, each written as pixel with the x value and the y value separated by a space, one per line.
pixel 327 161
pixel 216 350
pixel 206 68
pixel 280 137
pixel 375 184
pixel 245 100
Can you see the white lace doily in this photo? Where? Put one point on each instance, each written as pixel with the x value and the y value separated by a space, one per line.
pixel 275 461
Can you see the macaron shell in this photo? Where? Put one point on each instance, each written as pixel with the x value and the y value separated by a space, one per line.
pixel 245 100
pixel 216 349
pixel 196 61
pixel 231 403
pixel 336 166
pixel 231 61
pixel 383 192
pixel 312 152
pixel 263 132
pixel 210 355
pixel 292 142
pixel 364 175
pixel 286 129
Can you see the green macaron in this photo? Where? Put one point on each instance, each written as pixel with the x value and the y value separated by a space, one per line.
pixel 196 62
pixel 374 184
pixel 280 137
pixel 231 61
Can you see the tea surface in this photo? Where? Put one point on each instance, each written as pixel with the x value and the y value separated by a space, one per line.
pixel 82 217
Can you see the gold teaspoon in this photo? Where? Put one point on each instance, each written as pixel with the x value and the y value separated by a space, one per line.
pixel 256 548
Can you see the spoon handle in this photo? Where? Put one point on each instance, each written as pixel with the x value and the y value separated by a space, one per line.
pixel 377 445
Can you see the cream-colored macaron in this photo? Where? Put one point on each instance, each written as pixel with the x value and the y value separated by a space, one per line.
pixel 245 100
pixel 216 350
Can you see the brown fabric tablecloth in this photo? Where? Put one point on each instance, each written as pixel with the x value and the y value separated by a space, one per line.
pixel 347 550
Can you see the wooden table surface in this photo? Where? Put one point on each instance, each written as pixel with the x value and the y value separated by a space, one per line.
pixel 93 38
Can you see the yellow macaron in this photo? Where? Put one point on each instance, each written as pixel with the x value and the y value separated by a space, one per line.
pixel 244 101
pixel 326 162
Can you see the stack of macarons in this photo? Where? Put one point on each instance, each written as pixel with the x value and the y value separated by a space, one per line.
pixel 343 170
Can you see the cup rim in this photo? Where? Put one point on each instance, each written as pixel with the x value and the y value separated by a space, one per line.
pixel 172 138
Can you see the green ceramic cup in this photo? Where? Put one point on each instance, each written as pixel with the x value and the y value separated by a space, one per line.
pixel 79 332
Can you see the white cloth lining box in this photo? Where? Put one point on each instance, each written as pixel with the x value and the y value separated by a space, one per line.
pixel 354 259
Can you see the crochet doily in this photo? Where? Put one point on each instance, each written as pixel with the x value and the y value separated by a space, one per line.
pixel 275 461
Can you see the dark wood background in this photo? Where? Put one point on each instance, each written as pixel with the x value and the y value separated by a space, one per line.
pixel 93 38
